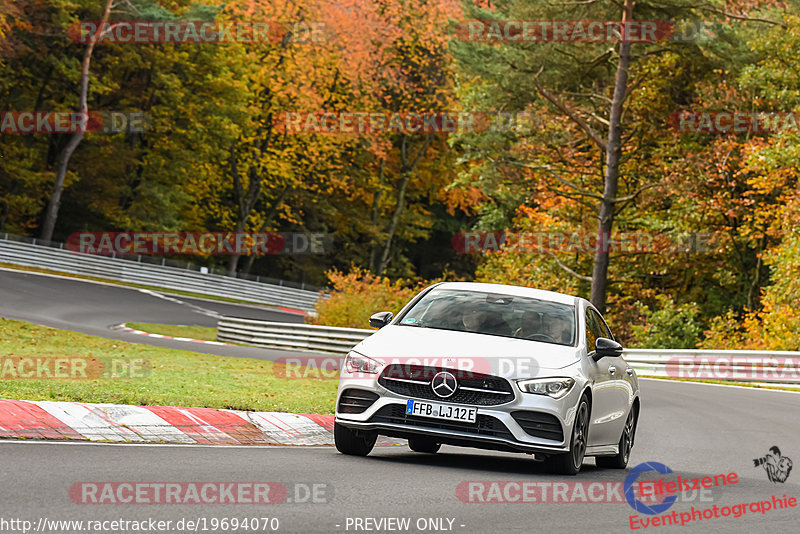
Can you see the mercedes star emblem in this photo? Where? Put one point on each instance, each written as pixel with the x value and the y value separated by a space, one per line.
pixel 444 384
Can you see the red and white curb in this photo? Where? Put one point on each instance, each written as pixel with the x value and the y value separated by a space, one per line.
pixel 123 328
pixel 162 424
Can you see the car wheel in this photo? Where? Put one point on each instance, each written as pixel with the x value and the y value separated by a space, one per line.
pixel 620 461
pixel 570 463
pixel 353 442
pixel 424 445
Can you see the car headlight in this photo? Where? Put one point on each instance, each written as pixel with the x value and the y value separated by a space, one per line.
pixel 554 387
pixel 356 363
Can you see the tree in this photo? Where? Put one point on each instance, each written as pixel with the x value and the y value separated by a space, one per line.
pixel 593 145
pixel 62 161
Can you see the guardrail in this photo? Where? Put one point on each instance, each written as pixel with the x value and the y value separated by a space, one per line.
pixel 758 367
pixel 29 253
pixel 290 336
pixel 774 368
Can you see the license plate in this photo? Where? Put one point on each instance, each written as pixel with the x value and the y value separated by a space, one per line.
pixel 441 411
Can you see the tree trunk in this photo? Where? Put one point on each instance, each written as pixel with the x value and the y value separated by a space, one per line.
pixel 406 170
pixel 62 161
pixel 611 178
pixel 376 200
pixel 267 221
pixel 245 202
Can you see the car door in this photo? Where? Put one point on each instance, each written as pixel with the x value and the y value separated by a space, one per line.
pixel 609 392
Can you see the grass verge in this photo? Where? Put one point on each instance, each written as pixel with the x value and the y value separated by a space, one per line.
pixel 205 333
pixel 167 377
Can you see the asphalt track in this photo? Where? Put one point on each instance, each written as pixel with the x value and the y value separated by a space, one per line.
pixel 696 429
pixel 94 308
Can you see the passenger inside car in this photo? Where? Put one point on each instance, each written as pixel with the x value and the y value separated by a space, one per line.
pixel 479 319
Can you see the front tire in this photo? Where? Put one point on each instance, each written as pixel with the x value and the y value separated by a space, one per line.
pixel 570 463
pixel 353 442
pixel 424 445
pixel 620 461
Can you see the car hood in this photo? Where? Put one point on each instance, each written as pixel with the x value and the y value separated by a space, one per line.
pixel 492 354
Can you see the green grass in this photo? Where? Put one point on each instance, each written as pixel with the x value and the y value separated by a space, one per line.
pixel 176 292
pixel 205 333
pixel 175 378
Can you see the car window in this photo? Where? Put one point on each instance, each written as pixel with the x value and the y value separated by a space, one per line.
pixel 595 327
pixel 602 327
pixel 494 314
pixel 591 329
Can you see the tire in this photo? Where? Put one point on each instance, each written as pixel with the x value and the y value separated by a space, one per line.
pixel 426 445
pixel 570 463
pixel 620 461
pixel 353 442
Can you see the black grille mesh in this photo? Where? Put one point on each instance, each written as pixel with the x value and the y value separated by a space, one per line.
pixel 356 400
pixel 540 425
pixel 423 375
pixel 484 425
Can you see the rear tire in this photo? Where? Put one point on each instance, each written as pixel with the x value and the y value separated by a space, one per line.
pixel 570 463
pixel 425 445
pixel 353 442
pixel 620 461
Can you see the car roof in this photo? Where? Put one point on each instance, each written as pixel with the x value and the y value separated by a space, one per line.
pixel 519 291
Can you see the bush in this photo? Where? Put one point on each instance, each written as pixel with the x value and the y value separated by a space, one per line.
pixel 359 294
pixel 670 326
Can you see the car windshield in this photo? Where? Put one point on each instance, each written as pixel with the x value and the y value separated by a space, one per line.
pixel 494 314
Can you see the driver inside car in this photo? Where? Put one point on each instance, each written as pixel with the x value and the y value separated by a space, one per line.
pixel 473 318
pixel 557 327
pixel 529 325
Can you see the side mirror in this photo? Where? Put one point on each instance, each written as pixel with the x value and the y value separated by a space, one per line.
pixel 380 319
pixel 606 347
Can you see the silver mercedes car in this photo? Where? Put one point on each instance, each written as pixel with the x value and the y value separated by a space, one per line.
pixel 495 367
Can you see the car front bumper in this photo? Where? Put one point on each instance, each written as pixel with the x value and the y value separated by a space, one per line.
pixel 498 427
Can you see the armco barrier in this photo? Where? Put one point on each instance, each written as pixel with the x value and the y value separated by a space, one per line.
pixel 18 252
pixel 776 368
pixel 290 336
pixel 759 367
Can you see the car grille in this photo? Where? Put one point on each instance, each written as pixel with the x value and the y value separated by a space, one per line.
pixel 356 400
pixel 476 389
pixel 539 425
pixel 484 425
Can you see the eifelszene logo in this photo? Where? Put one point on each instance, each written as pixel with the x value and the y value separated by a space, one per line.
pixel 777 467
pixel 629 488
